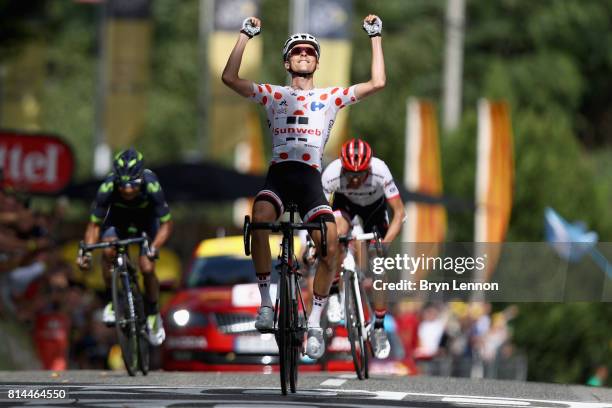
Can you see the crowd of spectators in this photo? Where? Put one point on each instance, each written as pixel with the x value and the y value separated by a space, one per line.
pixel 458 339
pixel 50 316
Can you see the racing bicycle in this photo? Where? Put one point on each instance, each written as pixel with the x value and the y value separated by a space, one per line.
pixel 290 322
pixel 128 305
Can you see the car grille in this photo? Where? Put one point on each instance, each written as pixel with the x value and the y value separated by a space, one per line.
pixel 233 323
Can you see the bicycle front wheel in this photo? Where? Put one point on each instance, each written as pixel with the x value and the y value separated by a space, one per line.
pixel 354 325
pixel 143 342
pixel 125 319
pixel 297 336
pixel 284 331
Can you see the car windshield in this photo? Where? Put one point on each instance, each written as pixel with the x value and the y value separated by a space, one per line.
pixel 221 271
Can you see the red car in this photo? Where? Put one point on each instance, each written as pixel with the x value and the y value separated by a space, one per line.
pixel 210 324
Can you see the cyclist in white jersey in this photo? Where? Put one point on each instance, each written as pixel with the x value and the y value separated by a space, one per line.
pixel 358 184
pixel 300 118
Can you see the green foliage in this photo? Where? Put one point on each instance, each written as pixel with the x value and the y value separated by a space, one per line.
pixel 70 86
pixel 564 341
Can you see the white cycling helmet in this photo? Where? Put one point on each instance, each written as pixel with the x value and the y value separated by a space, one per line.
pixel 301 38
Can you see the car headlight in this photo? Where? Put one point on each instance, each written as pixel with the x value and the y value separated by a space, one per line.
pixel 181 317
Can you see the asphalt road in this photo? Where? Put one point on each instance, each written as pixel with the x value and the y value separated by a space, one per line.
pixel 170 389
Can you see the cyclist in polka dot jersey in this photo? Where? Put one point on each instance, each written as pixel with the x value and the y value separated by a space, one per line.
pixel 300 118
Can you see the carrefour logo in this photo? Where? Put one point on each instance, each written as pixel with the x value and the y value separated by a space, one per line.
pixel 315 106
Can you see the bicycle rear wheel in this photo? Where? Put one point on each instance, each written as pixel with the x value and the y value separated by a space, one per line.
pixel 125 320
pixel 284 334
pixel 354 326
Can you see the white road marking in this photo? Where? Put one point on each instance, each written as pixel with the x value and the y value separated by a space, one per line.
pixel 390 395
pixel 491 401
pixel 348 376
pixel 333 382
pixel 570 404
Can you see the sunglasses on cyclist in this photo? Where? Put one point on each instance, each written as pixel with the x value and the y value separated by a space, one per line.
pixel 355 174
pixel 130 184
pixel 298 51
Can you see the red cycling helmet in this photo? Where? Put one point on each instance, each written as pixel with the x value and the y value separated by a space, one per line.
pixel 356 155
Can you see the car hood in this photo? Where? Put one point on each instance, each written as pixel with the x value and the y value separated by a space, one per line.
pixel 218 299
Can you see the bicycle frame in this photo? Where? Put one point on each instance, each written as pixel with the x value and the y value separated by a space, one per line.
pixel 287 258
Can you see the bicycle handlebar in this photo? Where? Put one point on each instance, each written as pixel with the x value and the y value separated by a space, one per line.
pixel 116 243
pixel 282 226
pixel 371 236
pixel 345 239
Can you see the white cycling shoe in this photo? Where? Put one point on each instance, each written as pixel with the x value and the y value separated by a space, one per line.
pixel 108 314
pixel 334 309
pixel 265 319
pixel 380 343
pixel 315 345
pixel 156 331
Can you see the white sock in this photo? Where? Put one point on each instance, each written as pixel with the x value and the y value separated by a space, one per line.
pixel 318 303
pixel 263 282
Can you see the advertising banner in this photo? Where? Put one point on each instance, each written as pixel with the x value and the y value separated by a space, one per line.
pixel 126 70
pixel 35 163
pixel 494 175
pixel 230 112
pixel 425 222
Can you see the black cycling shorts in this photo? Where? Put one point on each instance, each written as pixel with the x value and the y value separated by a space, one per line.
pixel 372 215
pixel 297 183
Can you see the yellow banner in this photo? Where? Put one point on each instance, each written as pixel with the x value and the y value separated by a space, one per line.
pixel 22 86
pixel 494 176
pixel 425 226
pixel 495 172
pixel 126 77
pixel 229 111
pixel 426 222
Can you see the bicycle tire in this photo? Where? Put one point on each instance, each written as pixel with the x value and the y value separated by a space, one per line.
pixel 296 344
pixel 354 327
pixel 284 334
pixel 143 342
pixel 125 325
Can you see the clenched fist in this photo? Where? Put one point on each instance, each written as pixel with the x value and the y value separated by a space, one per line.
pixel 251 26
pixel 372 25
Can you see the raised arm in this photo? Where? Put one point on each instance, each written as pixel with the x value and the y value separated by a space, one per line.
pixel 250 28
pixel 372 25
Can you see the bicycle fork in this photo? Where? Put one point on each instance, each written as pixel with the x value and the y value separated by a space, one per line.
pixel 125 278
pixel 350 267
